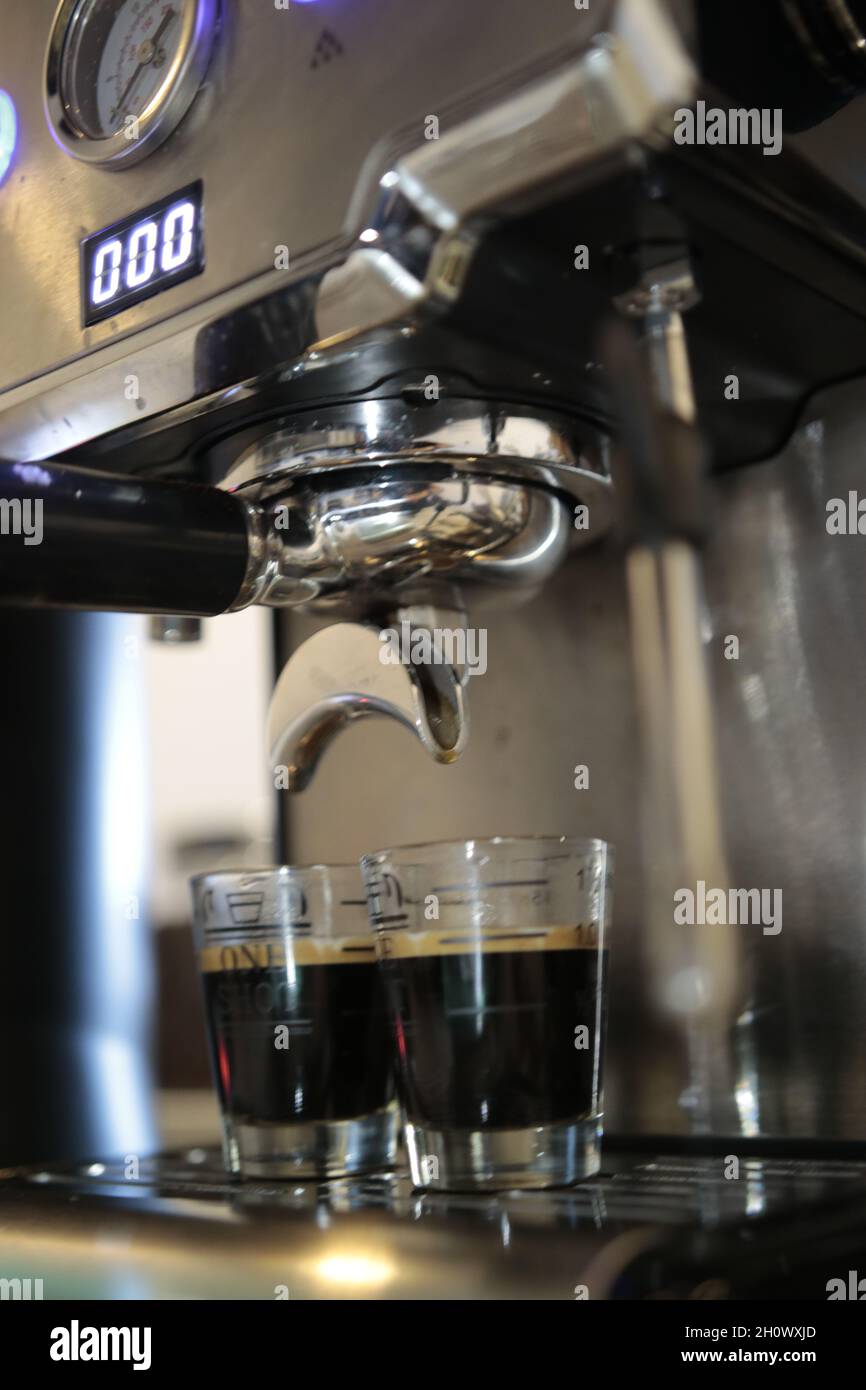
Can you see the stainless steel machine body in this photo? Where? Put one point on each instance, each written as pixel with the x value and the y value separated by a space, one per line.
pixel 392 337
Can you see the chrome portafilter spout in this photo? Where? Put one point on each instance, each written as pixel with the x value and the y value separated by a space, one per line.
pixel 350 671
pixel 395 536
pixel 397 552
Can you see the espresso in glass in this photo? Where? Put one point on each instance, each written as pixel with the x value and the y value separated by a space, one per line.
pixel 488 1026
pixel 494 956
pixel 337 1063
pixel 296 1022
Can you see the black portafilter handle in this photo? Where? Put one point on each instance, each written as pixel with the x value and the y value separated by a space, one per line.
pixel 76 538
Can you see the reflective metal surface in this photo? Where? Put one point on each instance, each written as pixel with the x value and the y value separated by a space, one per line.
pixel 419 426
pixel 76 988
pixel 557 131
pixel 362 508
pixel 693 976
pixel 355 543
pixel 72 70
pixel 173 628
pixel 176 1228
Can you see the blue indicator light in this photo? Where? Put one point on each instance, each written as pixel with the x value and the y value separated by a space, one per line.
pixel 8 133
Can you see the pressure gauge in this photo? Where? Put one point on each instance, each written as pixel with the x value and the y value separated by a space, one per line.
pixel 121 74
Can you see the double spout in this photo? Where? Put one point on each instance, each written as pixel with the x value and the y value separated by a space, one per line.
pixel 349 671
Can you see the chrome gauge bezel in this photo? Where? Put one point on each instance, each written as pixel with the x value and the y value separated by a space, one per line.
pixel 163 112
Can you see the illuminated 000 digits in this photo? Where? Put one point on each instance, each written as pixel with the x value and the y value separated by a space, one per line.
pixel 178 231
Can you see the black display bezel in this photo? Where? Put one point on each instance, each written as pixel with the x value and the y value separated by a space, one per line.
pixel 90 315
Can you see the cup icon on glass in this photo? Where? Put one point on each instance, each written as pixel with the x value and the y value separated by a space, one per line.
pixel 494 956
pixel 296 1021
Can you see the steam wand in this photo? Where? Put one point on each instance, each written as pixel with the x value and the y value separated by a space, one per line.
pixel 694 969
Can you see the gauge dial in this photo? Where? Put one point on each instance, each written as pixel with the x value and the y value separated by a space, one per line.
pixel 123 52
pixel 121 74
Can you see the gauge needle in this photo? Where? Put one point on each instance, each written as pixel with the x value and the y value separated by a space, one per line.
pixel 154 42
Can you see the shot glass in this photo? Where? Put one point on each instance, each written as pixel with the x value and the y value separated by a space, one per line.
pixel 494 956
pixel 296 1022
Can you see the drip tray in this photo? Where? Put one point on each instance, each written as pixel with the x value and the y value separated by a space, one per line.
pixel 667 1227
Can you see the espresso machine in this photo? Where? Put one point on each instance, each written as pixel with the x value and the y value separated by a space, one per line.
pixel 439 318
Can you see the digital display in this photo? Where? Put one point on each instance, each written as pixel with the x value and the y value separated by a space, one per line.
pixel 142 255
